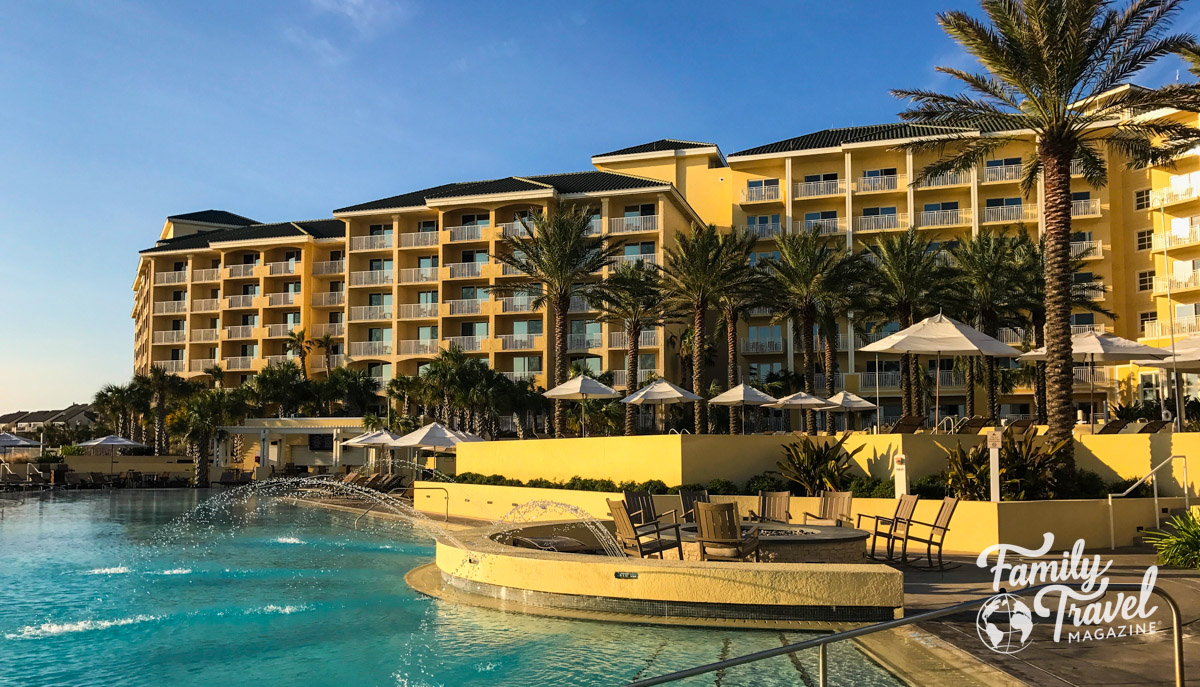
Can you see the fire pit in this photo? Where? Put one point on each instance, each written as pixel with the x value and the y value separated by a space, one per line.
pixel 782 543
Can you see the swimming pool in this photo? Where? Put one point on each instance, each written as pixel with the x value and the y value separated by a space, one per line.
pixel 115 589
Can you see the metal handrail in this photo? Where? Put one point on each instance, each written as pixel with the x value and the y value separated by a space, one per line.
pixel 821 642
pixel 1112 532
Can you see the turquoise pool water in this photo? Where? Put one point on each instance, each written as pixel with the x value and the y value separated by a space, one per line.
pixel 126 588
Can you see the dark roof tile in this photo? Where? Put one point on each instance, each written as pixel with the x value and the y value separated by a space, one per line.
pixel 595 182
pixel 660 146
pixel 412 199
pixel 831 138
pixel 215 217
pixel 320 229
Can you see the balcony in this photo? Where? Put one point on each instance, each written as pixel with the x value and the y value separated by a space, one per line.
pixel 211 274
pixel 648 337
pixel 881 184
pixel 521 376
pixel 169 307
pixel 583 342
pixel 240 271
pixel 242 301
pixel 1001 174
pixel 517 342
pixel 516 228
pixel 279 331
pixel 507 270
pixel 176 277
pixel 469 232
pixel 466 306
pixel 418 275
pixel 881 222
pixel 241 331
pixel 763 231
pixel 948 378
pixel 944 218
pixel 828 225
pixel 633 225
pixel 1089 328
pixel 466 343
pixel 863 339
pixel 947 179
pixel 172 366
pixel 419 347
pixel 465 270
pixel 1157 329
pixel 206 305
pixel 878 380
pixel 644 258
pixel 328 329
pixel 363 349
pixel 241 362
pixel 281 360
pixel 759 194
pixel 202 364
pixel 643 376
pixel 579 304
pixel 1179 237
pixel 205 335
pixel 362 313
pixel 1085 208
pixel 761 311
pixel 516 304
pixel 419 239
pixel 816 189
pixel 1086 376
pixel 1010 213
pixel 1174 194
pixel 417 311
pixel 1012 335
pixel 1076 168
pixel 329 267
pixel 371 277
pixel 761 346
pixel 1087 250
pixel 380 242
pixel 170 336
pixel 819 381
pixel 329 298
pixel 277 268
pixel 282 298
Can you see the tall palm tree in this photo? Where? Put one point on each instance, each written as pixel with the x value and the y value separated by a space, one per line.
pixel 114 401
pixel 217 374
pixel 200 419
pixel 632 298
pixel 299 345
pixel 744 288
pixel 402 389
pixel 909 281
pixel 558 256
pixel 163 386
pixel 694 271
pixel 358 387
pixel 326 344
pixel 140 397
pixel 1051 68
pixel 444 376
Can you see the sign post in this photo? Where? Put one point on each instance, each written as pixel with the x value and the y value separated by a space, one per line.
pixel 995 439
pixel 900 475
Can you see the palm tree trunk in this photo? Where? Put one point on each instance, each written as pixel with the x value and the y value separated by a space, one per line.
pixel 701 406
pixel 806 344
pixel 1056 175
pixel 731 369
pixel 989 374
pixel 202 462
pixel 303 364
pixel 160 425
pixel 829 387
pixel 633 335
pixel 519 425
pixel 1039 379
pixel 970 375
pixel 562 303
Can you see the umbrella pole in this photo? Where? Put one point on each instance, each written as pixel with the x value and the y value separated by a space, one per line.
pixel 583 417
pixel 937 393
pixel 743 419
pixel 878 405
pixel 1092 394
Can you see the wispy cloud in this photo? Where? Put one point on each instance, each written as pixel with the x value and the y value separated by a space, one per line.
pixel 321 48
pixel 368 17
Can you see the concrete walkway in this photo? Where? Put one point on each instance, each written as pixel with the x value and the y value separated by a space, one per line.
pixel 1136 660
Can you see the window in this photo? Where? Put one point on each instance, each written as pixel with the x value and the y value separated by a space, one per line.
pixel 1145 280
pixel 427 225
pixel 379 299
pixel 643 210
pixel 480 256
pixel 1001 202
pixel 872 212
pixel 762 370
pixel 379 230
pixel 1144 318
pixel 527 363
pixel 427 297
pixel 1141 199
pixel 756 258
pixel 1081 195
pixel 769 332
pixel 1003 162
pixel 1080 319
pixel 337 317
pixel 337 286
pixel 643 248
pixel 1145 239
pixel 427 261
pixel 881 172
pixel 427 332
pixel 476 219
pixel 758 183
pixel 827 176
pixel 762 221
pixel 591 363
pixel 379 334
pixel 478 329
pixel 525 327
pixel 935 207
pixel 335 255
pixel 471 293
pixel 379 264
pixel 291 319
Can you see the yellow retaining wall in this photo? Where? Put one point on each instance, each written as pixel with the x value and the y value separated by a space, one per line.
pixel 147 464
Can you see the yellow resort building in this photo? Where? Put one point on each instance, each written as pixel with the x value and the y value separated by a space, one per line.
pixel 394 280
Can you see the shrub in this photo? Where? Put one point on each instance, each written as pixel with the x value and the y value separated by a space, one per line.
pixel 71 451
pixel 1143 491
pixel 1088 485
pixel 654 486
pixel 930 486
pixel 872 488
pixel 689 487
pixel 1180 545
pixel 46 459
pixel 1030 471
pixel 539 483
pixel 721 487
pixel 817 466
pixel 968 472
pixel 767 481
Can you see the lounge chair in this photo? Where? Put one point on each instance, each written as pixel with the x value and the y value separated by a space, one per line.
pixel 1021 427
pixel 72 480
pixel 100 480
pixel 834 509
pixel 937 534
pixel 641 508
pixel 893 528
pixel 1154 426
pixel 646 539
pixel 972 425
pixel 1113 427
pixel 720 536
pixel 374 479
pixel 688 500
pixel 773 507
pixel 908 424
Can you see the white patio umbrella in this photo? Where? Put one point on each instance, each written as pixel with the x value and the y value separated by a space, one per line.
pixel 660 393
pixel 10 440
pixel 939 335
pixel 434 435
pixel 742 395
pixel 378 439
pixel 581 388
pixel 800 401
pixel 116 443
pixel 1089 347
pixel 846 402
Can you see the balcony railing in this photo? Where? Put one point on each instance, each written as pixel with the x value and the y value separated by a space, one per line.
pixel 465 270
pixel 947 179
pixel 515 228
pixel 579 304
pixel 327 298
pixel 174 366
pixel 865 338
pixel 521 376
pixel 631 225
pixel 282 298
pixel 371 242
pixel 280 359
pixel 240 362
pixel 1012 335
pixel 762 346
pixel 1086 328
pixel 466 306
pixel 811 189
pixel 1086 250
pixel 1085 208
pixel 468 232
pixel 517 342
pixel 1087 375
pixel 419 347
pixel 370 277
pixel 274 268
pixel 1156 329
pixel 1173 238
pixel 205 335
pixel 828 225
pixel 644 258
pixel 580 342
pixel 466 343
pixel 1076 168
pixel 516 304
pixel 761 311
pixel 211 274
pixel 242 301
pixel 175 277
pixel 360 313
pixel 1000 173
pixel 414 311
pixel 648 337
pixel 643 376
pixel 757 194
pixel 763 231
pixel 819 382
pixel 170 336
pixel 418 275
pixel 1174 194
pixel 329 267
pixel 276 331
pixel 878 380
pixel 359 349
pixel 891 182
pixel 201 364
pixel 944 218
pixel 594 227
pixel 169 307
pixel 948 378
pixel 241 331
pixel 236 271
pixel 328 329
pixel 881 222
pixel 1011 213
pixel 419 239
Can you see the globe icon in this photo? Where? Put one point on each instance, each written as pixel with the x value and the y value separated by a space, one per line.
pixel 1004 624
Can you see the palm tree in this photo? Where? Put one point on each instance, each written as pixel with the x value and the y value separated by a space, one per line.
pixel 1041 61
pixel 908 281
pixel 695 270
pixel 402 388
pixel 140 396
pixel 558 256
pixel 200 419
pixel 632 298
pixel 280 385
pixel 216 374
pixel 326 344
pixel 114 400
pixel 444 377
pixel 163 387
pixel 358 387
pixel 745 288
pixel 299 345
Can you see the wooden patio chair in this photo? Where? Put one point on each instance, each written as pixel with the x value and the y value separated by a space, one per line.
pixel 720 536
pixel 834 509
pixel 893 528
pixel 972 426
pixel 908 424
pixel 936 535
pixel 645 539
pixel 688 500
pixel 1154 426
pixel 641 508
pixel 1113 426
pixel 773 506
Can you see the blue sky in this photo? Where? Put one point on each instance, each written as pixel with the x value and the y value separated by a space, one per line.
pixel 117 113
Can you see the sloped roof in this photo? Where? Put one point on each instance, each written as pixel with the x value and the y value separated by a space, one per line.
pixel 831 138
pixel 9 418
pixel 214 217
pixel 318 228
pixel 659 146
